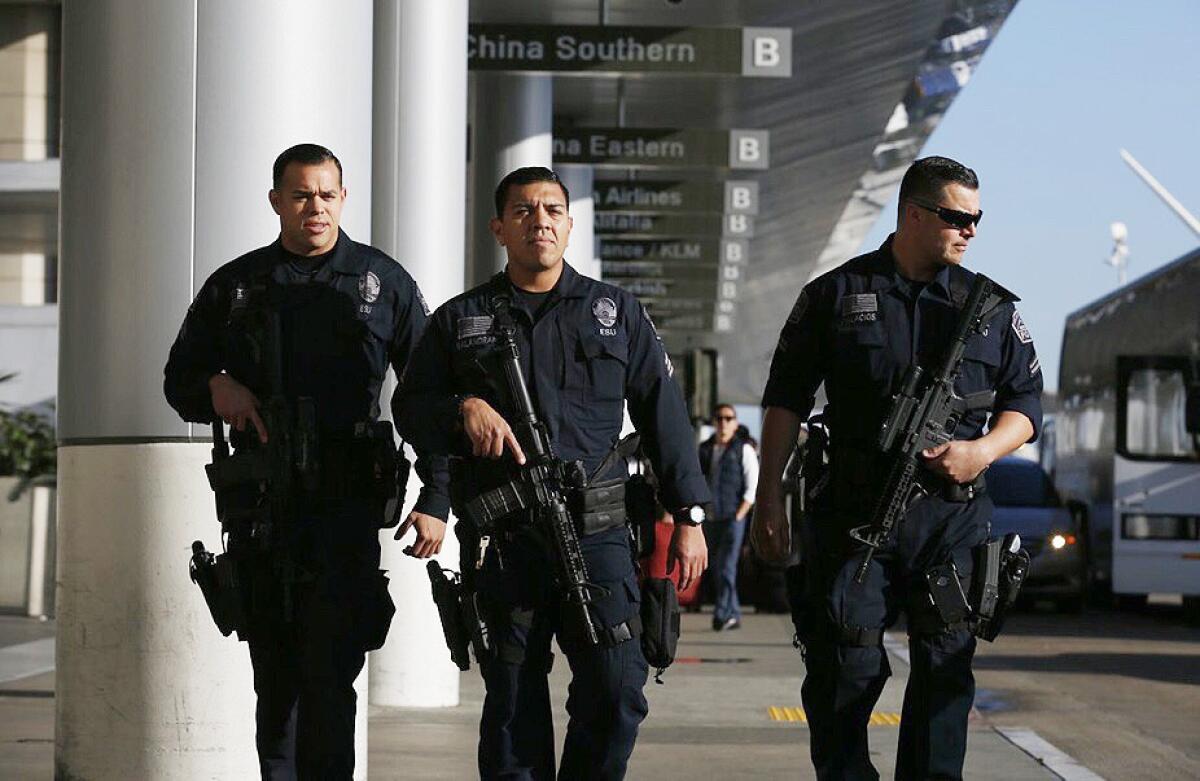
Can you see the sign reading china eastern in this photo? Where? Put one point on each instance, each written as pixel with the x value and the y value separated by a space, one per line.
pixel 662 147
pixel 705 51
pixel 660 197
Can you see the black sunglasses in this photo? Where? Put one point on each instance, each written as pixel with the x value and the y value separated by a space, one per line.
pixel 952 217
pixel 726 417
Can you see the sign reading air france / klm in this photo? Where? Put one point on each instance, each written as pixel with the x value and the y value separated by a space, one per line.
pixel 691 251
pixel 662 197
pixel 702 51
pixel 662 147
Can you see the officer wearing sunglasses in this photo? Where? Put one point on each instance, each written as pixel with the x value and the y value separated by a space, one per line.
pixel 858 329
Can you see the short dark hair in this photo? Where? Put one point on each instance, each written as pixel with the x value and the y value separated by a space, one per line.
pixel 718 407
pixel 527 175
pixel 926 177
pixel 304 154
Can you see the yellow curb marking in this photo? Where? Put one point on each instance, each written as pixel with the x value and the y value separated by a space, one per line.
pixel 878 719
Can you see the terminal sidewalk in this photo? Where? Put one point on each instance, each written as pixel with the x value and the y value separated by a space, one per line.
pixel 729 708
pixel 722 713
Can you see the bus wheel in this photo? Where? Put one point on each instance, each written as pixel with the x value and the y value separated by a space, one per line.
pixel 1133 603
pixel 1071 604
pixel 1191 610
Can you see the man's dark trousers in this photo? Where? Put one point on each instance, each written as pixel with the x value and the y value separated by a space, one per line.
pixel 724 539
pixel 605 702
pixel 304 669
pixel 844 679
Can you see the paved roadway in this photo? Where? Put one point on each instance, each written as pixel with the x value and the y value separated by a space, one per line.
pixel 1117 693
pixel 1120 692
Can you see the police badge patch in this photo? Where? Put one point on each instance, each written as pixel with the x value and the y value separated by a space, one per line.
pixel 369 287
pixel 1018 326
pixel 605 310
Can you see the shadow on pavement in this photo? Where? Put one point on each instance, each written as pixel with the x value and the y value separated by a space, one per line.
pixel 1154 622
pixel 1169 668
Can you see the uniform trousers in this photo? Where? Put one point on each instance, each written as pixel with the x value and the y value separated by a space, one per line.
pixel 523 608
pixel 845 675
pixel 306 657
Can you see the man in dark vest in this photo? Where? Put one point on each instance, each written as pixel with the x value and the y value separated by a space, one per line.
pixel 730 462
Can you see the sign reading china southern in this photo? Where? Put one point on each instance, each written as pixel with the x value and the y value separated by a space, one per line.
pixel 702 51
pixel 646 197
pixel 658 147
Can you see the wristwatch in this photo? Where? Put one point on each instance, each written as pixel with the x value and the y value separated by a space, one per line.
pixel 693 515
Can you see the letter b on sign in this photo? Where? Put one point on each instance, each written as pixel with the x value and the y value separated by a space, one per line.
pixel 767 51
pixel 738 225
pixel 749 149
pixel 741 197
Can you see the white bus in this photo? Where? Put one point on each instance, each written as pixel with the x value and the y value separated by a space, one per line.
pixel 1127 434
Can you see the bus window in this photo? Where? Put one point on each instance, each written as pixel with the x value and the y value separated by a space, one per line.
pixel 1156 415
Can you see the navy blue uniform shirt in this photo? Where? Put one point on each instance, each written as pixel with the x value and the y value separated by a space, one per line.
pixel 588 349
pixel 344 320
pixel 860 326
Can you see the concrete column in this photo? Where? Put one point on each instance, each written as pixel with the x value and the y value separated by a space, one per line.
pixel 172 116
pixel 513 128
pixel 581 251
pixel 420 139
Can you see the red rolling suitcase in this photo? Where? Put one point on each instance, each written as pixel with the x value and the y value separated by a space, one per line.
pixel 655 565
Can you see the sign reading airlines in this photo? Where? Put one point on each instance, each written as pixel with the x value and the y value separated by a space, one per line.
pixel 701 51
pixel 669 197
pixel 645 147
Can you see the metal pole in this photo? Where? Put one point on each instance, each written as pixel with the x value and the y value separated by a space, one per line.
pixel 1162 193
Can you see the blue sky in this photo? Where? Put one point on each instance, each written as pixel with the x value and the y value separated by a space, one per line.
pixel 1064 86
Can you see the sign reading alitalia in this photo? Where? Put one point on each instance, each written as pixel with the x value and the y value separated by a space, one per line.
pixel 700 51
pixel 620 224
pixel 661 197
pixel 662 147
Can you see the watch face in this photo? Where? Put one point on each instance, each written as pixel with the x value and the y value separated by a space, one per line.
pixel 696 514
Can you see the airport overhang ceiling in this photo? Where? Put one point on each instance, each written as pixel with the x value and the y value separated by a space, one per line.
pixel 869 81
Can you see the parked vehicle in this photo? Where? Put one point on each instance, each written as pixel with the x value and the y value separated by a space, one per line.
pixel 1127 438
pixel 1051 531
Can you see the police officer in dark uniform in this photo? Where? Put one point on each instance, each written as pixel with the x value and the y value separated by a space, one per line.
pixel 585 348
pixel 339 314
pixel 857 329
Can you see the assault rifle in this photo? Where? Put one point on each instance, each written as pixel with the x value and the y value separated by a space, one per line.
pixel 924 414
pixel 256 488
pixel 547 479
